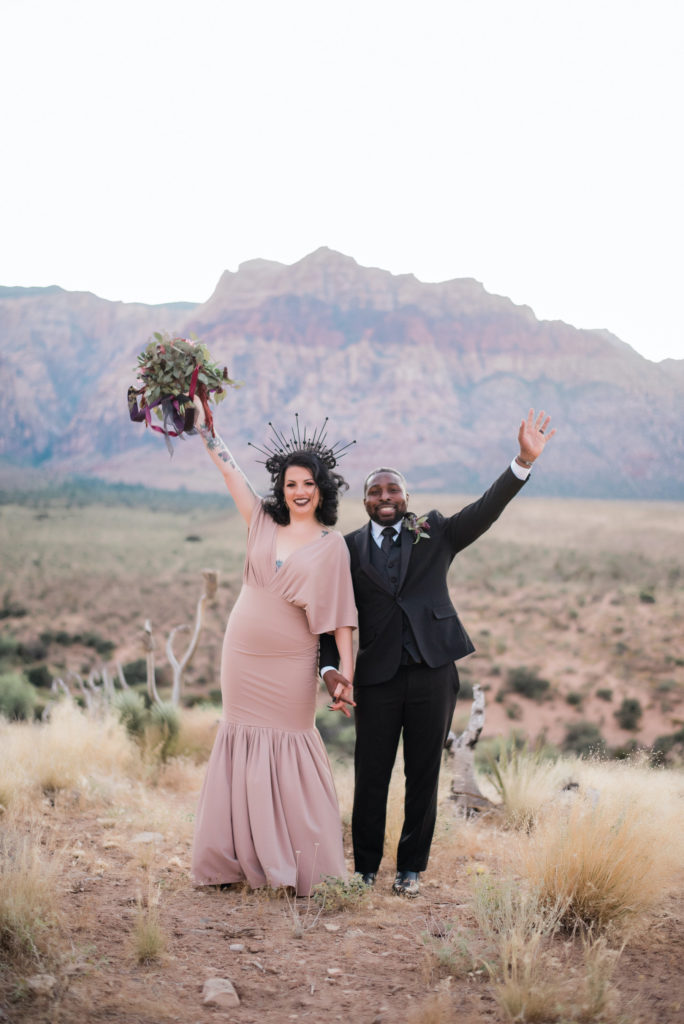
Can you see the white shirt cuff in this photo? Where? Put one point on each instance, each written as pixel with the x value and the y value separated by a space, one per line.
pixel 326 668
pixel 522 472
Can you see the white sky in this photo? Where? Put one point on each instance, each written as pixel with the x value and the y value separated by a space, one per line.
pixel 147 145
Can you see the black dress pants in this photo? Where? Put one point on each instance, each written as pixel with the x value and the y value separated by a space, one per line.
pixel 418 702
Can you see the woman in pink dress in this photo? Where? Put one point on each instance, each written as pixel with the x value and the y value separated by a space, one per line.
pixel 268 811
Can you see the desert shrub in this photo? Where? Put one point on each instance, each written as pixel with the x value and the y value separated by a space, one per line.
pixel 135 671
pixel 339 893
pixel 32 650
pixel 527 683
pixel 604 694
pixel 514 712
pixel 216 696
pixel 647 596
pixel 629 713
pixel 8 646
pixel 98 643
pixel 164 729
pixel 583 738
pixel 40 676
pixel 573 698
pixel 132 712
pixel 665 745
pixel 17 696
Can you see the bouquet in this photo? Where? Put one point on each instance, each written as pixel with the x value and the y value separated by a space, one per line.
pixel 172 371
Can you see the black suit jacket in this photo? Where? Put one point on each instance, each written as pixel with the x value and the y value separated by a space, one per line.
pixel 422 594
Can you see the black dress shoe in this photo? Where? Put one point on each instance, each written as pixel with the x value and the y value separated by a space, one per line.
pixel 406 883
pixel 369 878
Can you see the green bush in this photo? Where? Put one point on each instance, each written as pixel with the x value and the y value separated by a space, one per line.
pixel 40 676
pixel 165 721
pixel 664 745
pixel 574 698
pixel 132 712
pixel 8 646
pixel 135 671
pixel 98 643
pixel 17 696
pixel 528 683
pixel 583 738
pixel 606 695
pixel 629 713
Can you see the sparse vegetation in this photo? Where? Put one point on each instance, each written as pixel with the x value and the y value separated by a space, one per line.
pixel 629 713
pixel 583 738
pixel 528 683
pixel 339 893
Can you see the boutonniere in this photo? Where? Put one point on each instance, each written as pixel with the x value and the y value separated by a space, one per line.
pixel 418 526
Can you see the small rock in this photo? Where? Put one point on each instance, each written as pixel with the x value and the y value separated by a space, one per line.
pixel 42 984
pixel 335 971
pixel 331 927
pixel 220 992
pixel 236 947
pixel 148 837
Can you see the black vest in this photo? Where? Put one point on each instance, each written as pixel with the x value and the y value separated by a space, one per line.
pixel 388 568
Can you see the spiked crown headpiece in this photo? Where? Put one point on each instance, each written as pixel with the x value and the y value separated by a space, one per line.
pixel 279 447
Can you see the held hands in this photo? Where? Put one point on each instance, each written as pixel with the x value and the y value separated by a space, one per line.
pixel 340 690
pixel 533 436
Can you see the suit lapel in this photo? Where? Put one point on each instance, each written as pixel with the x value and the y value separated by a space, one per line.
pixel 406 539
pixel 363 540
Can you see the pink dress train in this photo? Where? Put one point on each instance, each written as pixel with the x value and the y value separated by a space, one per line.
pixel 268 810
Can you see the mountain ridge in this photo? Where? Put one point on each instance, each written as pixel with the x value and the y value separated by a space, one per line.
pixel 434 375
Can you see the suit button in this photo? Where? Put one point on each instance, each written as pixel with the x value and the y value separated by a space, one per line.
pixel 393 579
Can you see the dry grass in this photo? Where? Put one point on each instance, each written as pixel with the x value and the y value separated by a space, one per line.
pixel 71 751
pixel 610 851
pixel 526 781
pixel 149 939
pixel 532 971
pixel 29 898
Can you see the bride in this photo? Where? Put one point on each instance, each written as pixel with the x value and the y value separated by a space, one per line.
pixel 268 811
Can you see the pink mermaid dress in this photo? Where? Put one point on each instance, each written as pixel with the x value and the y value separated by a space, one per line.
pixel 268 811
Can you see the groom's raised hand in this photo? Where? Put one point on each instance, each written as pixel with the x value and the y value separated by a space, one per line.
pixel 533 435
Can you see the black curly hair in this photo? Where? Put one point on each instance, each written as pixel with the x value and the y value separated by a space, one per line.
pixel 329 484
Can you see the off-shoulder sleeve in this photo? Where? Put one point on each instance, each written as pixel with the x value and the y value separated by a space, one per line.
pixel 326 591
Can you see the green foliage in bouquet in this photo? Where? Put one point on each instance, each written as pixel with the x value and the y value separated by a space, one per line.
pixel 166 367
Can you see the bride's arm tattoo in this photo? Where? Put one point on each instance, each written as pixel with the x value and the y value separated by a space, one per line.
pixel 216 446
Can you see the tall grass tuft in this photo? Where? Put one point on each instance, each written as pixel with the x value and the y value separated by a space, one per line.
pixel 149 940
pixel 532 975
pixel 28 897
pixel 609 852
pixel 526 781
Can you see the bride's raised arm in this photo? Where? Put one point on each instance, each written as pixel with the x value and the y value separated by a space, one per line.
pixel 243 494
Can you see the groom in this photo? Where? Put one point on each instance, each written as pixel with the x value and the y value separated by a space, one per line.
pixel 409 637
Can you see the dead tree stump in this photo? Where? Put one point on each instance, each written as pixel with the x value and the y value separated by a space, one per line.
pixel 465 791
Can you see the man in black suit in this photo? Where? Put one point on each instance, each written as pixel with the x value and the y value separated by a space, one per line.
pixel 409 637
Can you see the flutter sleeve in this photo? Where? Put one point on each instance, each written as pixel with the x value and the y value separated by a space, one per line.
pixel 327 594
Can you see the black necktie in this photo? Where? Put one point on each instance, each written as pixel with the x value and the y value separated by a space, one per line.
pixel 388 535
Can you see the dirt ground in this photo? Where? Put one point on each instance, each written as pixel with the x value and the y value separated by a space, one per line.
pixel 367 964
